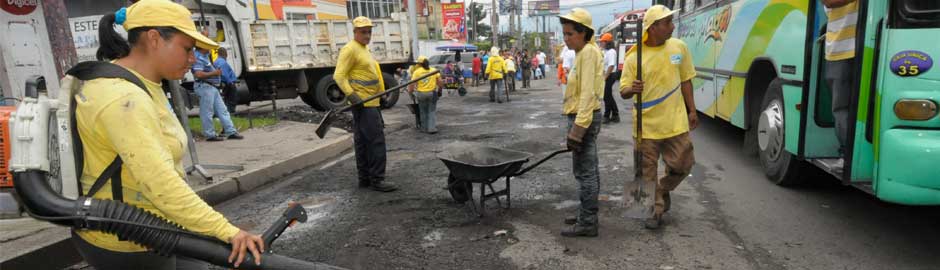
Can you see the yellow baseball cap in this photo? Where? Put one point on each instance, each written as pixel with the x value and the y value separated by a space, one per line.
pixel 580 16
pixel 655 13
pixel 422 59
pixel 362 22
pixel 155 13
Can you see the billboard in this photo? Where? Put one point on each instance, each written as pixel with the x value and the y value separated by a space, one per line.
pixel 544 8
pixel 454 26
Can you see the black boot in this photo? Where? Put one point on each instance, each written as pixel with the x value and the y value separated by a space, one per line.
pixel 615 117
pixel 383 186
pixel 364 183
pixel 580 231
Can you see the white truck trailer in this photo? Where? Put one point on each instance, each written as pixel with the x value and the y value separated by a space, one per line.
pixel 280 59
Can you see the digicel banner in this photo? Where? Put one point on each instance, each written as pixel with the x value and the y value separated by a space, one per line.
pixel 19 7
pixel 454 26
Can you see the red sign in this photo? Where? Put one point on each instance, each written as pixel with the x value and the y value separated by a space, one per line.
pixel 454 25
pixel 19 7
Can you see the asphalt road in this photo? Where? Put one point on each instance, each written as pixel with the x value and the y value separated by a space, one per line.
pixel 725 216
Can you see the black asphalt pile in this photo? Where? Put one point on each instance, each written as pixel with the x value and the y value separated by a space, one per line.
pixel 307 114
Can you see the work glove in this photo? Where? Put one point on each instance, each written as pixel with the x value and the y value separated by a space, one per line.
pixel 353 98
pixel 575 138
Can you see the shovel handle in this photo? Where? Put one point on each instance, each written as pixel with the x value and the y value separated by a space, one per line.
pixel 553 154
pixel 396 88
pixel 639 100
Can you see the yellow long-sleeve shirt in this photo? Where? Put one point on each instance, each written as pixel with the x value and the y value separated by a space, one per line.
pixel 495 67
pixel 357 72
pixel 115 116
pixel 585 85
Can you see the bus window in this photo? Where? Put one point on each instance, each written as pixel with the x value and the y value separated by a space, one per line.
pixel 915 14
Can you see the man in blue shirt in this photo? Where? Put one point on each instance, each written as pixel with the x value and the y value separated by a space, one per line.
pixel 229 92
pixel 210 102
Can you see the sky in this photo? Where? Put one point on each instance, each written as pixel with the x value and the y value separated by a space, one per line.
pixel 602 12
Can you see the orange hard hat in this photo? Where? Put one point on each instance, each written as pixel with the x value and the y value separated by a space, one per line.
pixel 607 37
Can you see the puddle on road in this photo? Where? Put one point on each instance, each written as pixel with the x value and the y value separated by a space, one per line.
pixel 316 202
pixel 481 113
pixel 432 238
pixel 565 204
pixel 537 114
pixel 535 126
pixel 464 123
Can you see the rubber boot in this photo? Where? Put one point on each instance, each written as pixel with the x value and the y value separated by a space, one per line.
pixel 571 220
pixel 383 186
pixel 580 231
pixel 654 222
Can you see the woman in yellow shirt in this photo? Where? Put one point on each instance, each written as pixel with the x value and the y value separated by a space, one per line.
pixel 427 96
pixel 118 119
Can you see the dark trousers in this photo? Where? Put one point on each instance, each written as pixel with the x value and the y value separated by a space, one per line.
pixel 103 259
pixel 526 73
pixel 840 75
pixel 230 96
pixel 511 81
pixel 610 104
pixel 369 137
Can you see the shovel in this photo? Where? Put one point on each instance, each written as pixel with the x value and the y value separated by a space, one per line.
pixel 639 196
pixel 330 116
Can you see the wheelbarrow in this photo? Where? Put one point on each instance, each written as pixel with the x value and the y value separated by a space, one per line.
pixel 485 165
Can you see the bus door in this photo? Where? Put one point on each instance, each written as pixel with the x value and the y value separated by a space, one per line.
pixel 823 147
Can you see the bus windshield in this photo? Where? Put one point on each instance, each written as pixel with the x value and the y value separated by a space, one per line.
pixel 916 14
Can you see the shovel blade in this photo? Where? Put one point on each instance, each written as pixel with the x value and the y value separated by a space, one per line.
pixel 639 197
pixel 325 123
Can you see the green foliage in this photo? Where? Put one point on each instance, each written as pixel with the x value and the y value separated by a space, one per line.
pixel 241 123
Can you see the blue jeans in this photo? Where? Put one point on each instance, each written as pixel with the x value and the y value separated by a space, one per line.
pixel 211 104
pixel 427 106
pixel 586 171
pixel 496 89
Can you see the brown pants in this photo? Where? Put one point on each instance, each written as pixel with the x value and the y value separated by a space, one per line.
pixel 677 154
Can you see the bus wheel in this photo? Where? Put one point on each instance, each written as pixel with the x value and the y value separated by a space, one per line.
pixel 780 166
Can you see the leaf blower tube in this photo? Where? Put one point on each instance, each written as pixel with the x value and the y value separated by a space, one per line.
pixel 136 225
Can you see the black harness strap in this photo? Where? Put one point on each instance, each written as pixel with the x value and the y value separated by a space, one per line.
pixel 87 71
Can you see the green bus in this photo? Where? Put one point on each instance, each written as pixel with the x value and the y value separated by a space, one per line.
pixel 761 67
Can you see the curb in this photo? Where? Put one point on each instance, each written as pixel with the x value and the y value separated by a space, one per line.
pixel 250 180
pixel 213 194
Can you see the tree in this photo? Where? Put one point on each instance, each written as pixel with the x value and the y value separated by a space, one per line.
pixel 478 14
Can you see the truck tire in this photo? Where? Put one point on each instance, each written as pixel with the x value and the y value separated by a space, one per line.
pixel 310 98
pixel 389 100
pixel 780 166
pixel 328 94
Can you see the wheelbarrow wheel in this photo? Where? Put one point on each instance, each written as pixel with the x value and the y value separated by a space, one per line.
pixel 461 192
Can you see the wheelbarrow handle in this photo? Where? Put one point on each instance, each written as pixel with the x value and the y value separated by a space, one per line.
pixel 541 161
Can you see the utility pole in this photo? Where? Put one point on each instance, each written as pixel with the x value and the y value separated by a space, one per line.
pixel 494 23
pixel 472 25
pixel 60 36
pixel 413 15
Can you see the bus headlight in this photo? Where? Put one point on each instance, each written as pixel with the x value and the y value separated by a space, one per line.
pixel 915 109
